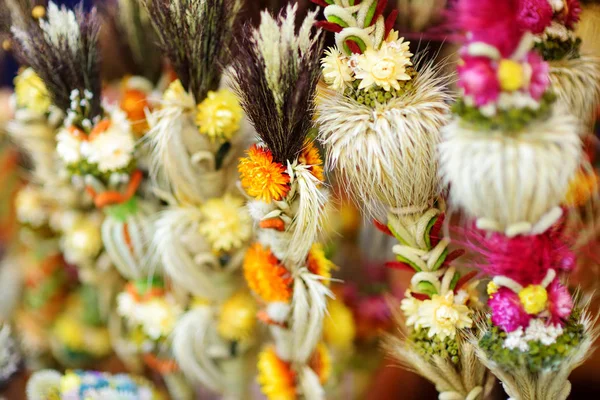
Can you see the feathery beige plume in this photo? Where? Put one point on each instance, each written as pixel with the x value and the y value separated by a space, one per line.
pixel 511 181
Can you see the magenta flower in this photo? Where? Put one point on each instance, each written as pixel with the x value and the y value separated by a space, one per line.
pixel 535 15
pixel 477 77
pixel 571 13
pixel 540 75
pixel 491 21
pixel 507 312
pixel 560 302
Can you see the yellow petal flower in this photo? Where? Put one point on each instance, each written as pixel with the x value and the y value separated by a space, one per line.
pixel 226 224
pixel 511 75
pixel 219 115
pixel 275 376
pixel 534 299
pixel 339 329
pixel 237 319
pixel 31 92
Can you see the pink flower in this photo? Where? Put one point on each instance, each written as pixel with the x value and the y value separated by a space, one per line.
pixel 491 21
pixel 570 14
pixel 477 77
pixel 540 75
pixel 507 312
pixel 535 15
pixel 560 302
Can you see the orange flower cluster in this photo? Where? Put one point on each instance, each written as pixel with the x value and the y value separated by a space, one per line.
pixel 266 276
pixel 310 156
pixel 261 177
pixel 320 362
pixel 318 264
pixel 275 376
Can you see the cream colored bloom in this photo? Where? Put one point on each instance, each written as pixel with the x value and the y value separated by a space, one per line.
pixel 82 242
pixel 112 149
pixel 68 147
pixel 336 70
pixel 219 115
pixel 156 316
pixel 443 317
pixel 226 224
pixel 31 206
pixel 31 92
pixel 384 67
pixel 410 307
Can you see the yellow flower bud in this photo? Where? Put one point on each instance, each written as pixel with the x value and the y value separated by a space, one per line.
pixel 237 319
pixel 339 328
pixel 511 75
pixel 534 299
pixel 492 288
pixel 38 12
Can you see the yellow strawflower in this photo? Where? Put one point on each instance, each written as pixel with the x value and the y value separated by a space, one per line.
pixel 219 115
pixel 534 299
pixel 31 92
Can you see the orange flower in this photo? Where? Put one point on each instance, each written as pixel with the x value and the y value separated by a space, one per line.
pixel 320 362
pixel 318 264
pixel 276 378
pixel 261 177
pixel 310 156
pixel 134 103
pixel 582 188
pixel 266 276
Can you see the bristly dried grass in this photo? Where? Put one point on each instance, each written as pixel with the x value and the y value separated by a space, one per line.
pixel 63 50
pixel 386 156
pixel 275 74
pixel 187 258
pixel 195 35
pixel 577 83
pixel 511 179
pixel 134 35
pixel 520 384
pixel 190 343
pixel 467 380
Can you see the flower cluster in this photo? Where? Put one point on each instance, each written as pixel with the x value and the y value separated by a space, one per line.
pixel 149 308
pixel 278 379
pixel 441 315
pixel 99 385
pixel 497 86
pixel 101 149
pixel 387 68
pixel 557 39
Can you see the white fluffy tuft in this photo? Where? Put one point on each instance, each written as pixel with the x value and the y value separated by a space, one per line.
pixel 577 84
pixel 387 154
pixel 511 179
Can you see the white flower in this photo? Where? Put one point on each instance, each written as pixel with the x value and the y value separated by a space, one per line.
pixel 156 316
pixel 82 242
pixel 410 306
pixel 443 317
pixel 31 207
pixel 68 146
pixel 336 70
pixel 384 67
pixel 557 5
pixel 112 149
pixel 537 330
pixel 61 25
